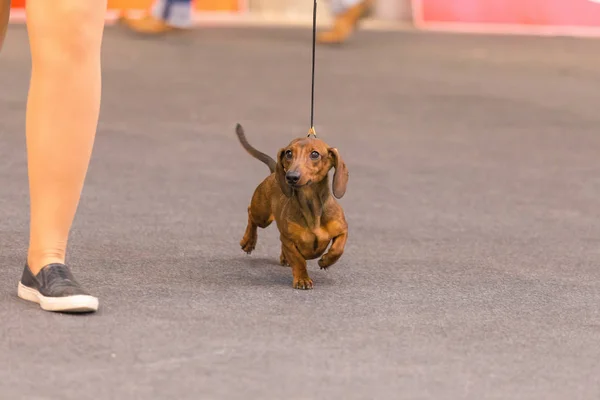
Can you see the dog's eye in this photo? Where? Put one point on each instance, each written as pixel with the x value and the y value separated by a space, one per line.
pixel 315 155
pixel 288 154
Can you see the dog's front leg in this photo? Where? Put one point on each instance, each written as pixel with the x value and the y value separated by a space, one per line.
pixel 298 264
pixel 335 251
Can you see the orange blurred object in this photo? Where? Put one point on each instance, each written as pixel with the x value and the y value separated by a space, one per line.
pixel 199 5
pixel 217 5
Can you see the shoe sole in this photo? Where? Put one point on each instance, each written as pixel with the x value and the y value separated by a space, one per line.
pixel 72 304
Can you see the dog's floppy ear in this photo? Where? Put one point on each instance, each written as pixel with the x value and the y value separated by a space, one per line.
pixel 340 177
pixel 280 175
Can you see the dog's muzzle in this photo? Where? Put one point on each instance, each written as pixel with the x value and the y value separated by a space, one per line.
pixel 292 177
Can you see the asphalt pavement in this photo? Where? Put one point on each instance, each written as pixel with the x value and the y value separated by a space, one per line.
pixel 472 269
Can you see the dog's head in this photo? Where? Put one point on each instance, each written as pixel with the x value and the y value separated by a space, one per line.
pixel 307 161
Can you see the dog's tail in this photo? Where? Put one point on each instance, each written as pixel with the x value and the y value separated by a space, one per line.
pixel 253 152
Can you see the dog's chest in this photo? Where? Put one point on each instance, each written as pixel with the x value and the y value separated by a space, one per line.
pixel 312 242
pixel 307 230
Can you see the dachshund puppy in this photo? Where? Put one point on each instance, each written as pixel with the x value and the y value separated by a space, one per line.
pixel 297 196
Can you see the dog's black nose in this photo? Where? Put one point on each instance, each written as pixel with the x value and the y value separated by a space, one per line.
pixel 292 177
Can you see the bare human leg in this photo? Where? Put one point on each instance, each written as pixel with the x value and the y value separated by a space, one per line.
pixel 62 115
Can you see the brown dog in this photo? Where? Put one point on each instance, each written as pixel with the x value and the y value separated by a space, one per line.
pixel 296 195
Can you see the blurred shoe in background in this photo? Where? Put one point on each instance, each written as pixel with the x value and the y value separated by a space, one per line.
pixel 347 14
pixel 164 16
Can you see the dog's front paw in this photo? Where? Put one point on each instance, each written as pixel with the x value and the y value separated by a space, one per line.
pixel 325 262
pixel 248 243
pixel 303 283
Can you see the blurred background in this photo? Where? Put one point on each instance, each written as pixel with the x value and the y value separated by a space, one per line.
pixel 294 10
pixel 564 16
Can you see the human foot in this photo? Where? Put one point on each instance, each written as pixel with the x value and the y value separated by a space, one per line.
pixel 54 288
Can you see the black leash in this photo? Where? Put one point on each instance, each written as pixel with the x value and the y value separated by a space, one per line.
pixel 312 94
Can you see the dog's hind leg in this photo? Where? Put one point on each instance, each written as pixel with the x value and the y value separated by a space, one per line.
pixel 248 242
pixel 257 218
pixel 282 260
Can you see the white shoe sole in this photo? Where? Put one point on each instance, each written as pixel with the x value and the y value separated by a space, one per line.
pixel 74 304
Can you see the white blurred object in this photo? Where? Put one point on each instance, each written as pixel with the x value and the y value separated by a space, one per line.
pixel 291 10
pixel 393 10
pixel 301 10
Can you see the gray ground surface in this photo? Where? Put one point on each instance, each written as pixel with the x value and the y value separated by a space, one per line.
pixel 473 265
